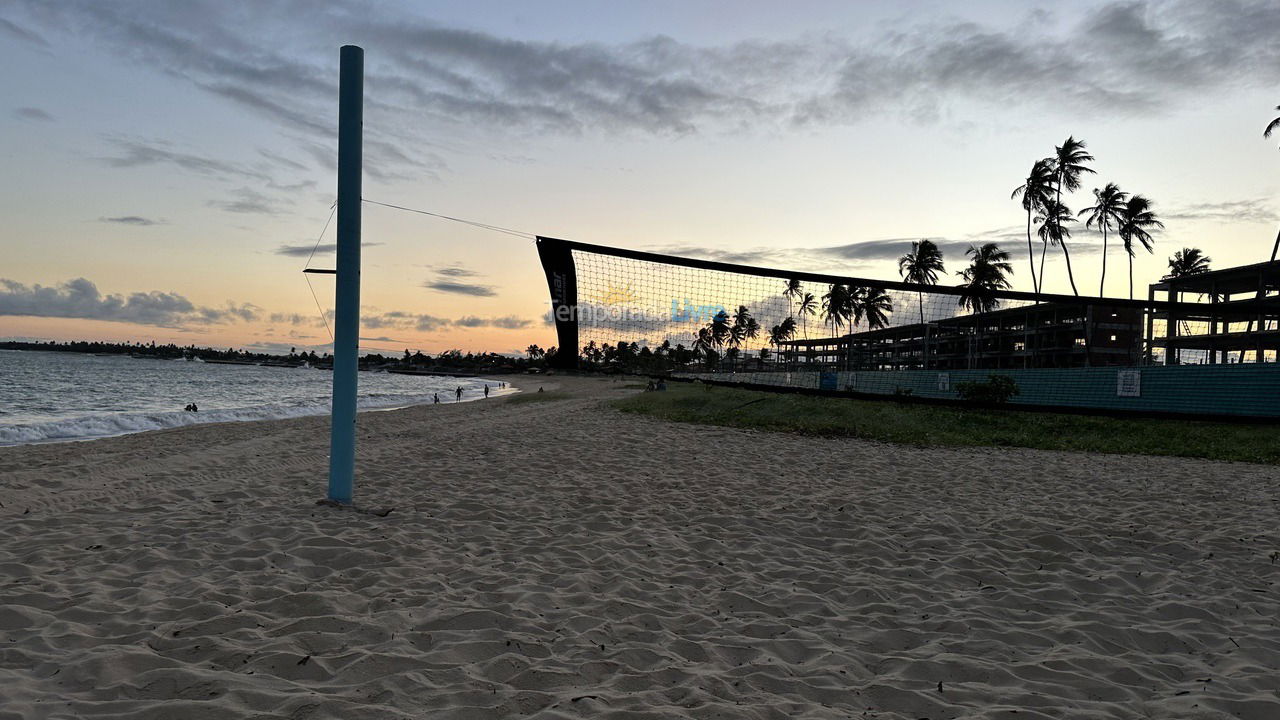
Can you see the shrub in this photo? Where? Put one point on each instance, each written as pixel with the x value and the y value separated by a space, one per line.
pixel 997 389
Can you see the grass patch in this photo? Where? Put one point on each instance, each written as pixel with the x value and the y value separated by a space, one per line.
pixel 930 425
pixel 535 397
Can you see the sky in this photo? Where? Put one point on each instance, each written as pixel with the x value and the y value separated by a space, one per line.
pixel 169 167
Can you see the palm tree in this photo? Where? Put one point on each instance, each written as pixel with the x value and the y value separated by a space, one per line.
pixel 782 332
pixel 874 304
pixel 720 329
pixel 1069 164
pixel 836 306
pixel 788 328
pixel 1106 214
pixel 793 292
pixel 1036 191
pixel 1053 231
pixel 1135 218
pixel 1271 126
pixel 744 326
pixel 703 343
pixel 807 307
pixel 984 276
pixel 921 266
pixel 775 337
pixel 1187 261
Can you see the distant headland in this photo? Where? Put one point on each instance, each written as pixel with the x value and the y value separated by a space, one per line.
pixel 449 362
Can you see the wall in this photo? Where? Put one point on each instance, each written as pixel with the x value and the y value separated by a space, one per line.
pixel 1245 390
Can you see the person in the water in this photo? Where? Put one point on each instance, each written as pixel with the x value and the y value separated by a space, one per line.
pixel 458 393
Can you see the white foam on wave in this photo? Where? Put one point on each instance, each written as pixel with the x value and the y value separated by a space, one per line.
pixel 91 427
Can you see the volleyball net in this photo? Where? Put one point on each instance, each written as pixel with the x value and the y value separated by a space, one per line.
pixel 1208 347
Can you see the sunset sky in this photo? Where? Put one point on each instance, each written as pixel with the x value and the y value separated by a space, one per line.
pixel 168 167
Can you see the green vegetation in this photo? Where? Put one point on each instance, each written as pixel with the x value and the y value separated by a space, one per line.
pixel 534 397
pixel 928 425
pixel 995 390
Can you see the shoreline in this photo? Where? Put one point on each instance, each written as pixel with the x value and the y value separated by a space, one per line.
pixel 198 421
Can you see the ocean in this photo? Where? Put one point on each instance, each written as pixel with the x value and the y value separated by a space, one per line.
pixel 59 396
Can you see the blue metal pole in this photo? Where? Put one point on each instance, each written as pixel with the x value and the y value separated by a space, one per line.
pixel 342 438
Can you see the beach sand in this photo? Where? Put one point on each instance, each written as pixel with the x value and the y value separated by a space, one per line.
pixel 562 560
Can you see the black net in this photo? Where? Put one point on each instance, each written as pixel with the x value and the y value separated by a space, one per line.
pixel 1204 345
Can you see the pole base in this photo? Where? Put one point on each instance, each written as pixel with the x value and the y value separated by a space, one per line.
pixel 378 512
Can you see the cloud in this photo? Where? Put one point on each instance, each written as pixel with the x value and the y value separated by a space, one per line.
pixel 32 113
pixel 250 202
pixel 510 322
pixel 135 220
pixel 737 257
pixel 306 250
pixel 140 153
pixel 860 256
pixel 281 160
pixel 456 272
pixel 1258 210
pixel 1124 57
pixel 80 298
pixel 296 319
pixel 401 320
pixel 459 288
pixel 17 31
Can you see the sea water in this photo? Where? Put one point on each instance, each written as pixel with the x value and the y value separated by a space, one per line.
pixel 56 396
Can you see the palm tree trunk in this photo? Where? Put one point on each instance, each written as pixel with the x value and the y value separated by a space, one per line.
pixel 1102 292
pixel 1044 250
pixel 1031 254
pixel 1067 255
pixel 1131 277
pixel 1063 241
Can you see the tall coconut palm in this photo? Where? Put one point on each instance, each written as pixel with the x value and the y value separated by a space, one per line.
pixel 836 306
pixel 1106 215
pixel 1069 164
pixel 1187 261
pixel 1053 220
pixel 1135 218
pixel 806 308
pixel 986 274
pixel 793 291
pixel 1035 191
pixel 921 266
pixel 874 306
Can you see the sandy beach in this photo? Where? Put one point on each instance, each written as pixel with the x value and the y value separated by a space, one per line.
pixel 562 560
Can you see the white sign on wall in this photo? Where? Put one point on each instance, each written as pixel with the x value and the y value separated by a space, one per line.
pixel 944 382
pixel 1129 383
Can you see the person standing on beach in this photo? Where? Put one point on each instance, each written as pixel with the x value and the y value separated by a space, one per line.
pixel 437 399
pixel 486 391
pixel 458 394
